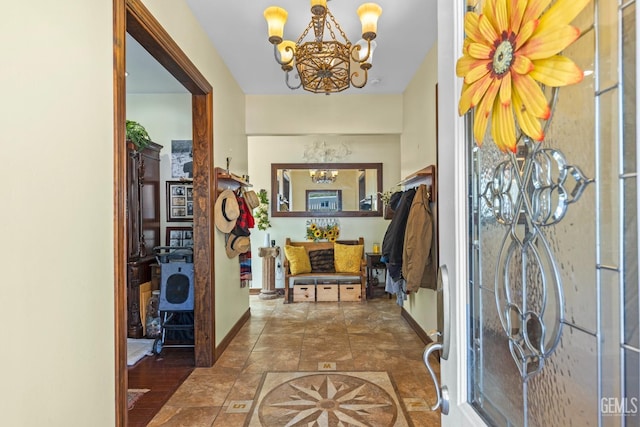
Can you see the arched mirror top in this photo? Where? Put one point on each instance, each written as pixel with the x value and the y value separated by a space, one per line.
pixel 326 189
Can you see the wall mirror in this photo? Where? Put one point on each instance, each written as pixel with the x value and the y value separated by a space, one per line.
pixel 326 189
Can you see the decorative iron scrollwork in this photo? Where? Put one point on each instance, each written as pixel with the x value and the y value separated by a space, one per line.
pixel 527 192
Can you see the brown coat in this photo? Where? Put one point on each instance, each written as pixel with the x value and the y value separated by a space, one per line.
pixel 418 255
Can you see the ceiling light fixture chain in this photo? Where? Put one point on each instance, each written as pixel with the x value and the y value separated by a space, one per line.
pixel 324 66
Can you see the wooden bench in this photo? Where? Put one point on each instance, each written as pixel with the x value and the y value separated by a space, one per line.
pixel 324 277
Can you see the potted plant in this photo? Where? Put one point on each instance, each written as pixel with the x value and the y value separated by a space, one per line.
pixel 137 134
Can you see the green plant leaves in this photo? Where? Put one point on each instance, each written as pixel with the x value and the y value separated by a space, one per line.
pixel 137 134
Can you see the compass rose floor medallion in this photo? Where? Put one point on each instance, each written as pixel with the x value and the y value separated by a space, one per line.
pixel 322 399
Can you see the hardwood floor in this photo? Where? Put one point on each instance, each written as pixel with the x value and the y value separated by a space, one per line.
pixel 162 374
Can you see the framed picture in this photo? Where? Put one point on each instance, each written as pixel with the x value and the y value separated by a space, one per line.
pixel 323 200
pixel 179 236
pixel 182 158
pixel 179 201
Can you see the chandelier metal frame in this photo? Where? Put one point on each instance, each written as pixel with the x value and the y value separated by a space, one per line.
pixel 324 66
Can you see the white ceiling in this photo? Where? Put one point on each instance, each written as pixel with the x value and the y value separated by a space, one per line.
pixel 406 32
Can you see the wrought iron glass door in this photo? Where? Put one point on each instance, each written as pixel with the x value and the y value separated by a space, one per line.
pixel 554 309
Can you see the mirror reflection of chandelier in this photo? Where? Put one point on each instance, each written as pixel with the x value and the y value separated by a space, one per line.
pixel 324 66
pixel 323 176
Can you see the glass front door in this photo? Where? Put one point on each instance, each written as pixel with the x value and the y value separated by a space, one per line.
pixel 553 314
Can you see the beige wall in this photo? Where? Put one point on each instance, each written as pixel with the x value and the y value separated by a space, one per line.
pixel 313 114
pixel 419 150
pixel 229 140
pixel 56 256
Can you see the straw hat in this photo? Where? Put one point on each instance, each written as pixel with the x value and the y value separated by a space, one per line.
pixel 226 211
pixel 252 199
pixel 237 245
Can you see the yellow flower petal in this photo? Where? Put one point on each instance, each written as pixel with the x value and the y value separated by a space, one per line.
pixel 505 89
pixel 561 13
pixel 516 12
pixel 477 72
pixel 472 94
pixel 479 51
pixel 489 12
pixel 465 45
pixel 525 33
pixel 528 123
pixel 502 19
pixel 481 118
pixel 464 104
pixel 556 71
pixel 532 96
pixel 548 43
pixel 471 26
pixel 487 29
pixel 534 9
pixel 465 64
pixel 503 127
pixel 522 64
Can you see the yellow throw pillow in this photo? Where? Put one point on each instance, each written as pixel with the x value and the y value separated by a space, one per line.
pixel 347 258
pixel 298 259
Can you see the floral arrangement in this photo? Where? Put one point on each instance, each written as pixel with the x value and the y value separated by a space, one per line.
pixel 261 213
pixel 323 229
pixel 512 50
pixel 386 196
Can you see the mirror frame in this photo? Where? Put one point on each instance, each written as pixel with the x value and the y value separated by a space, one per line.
pixel 274 189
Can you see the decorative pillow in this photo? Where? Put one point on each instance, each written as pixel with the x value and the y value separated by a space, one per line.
pixel 347 258
pixel 298 259
pixel 322 261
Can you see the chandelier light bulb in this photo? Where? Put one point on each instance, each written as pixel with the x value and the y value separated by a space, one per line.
pixel 287 50
pixel 365 54
pixel 276 18
pixel 369 14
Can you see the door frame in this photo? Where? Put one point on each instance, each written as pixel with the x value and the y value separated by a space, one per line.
pixel 453 180
pixel 131 16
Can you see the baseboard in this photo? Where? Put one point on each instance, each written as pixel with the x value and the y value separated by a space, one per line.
pixel 417 328
pixel 254 291
pixel 232 333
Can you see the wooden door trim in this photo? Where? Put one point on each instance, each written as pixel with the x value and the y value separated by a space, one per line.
pixel 131 16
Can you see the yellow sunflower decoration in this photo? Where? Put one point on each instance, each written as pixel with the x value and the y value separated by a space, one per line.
pixel 511 48
pixel 323 229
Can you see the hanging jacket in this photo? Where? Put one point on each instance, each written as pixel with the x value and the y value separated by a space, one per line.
pixel 245 220
pixel 393 242
pixel 418 260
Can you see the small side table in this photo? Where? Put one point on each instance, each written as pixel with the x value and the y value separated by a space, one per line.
pixel 268 256
pixel 373 263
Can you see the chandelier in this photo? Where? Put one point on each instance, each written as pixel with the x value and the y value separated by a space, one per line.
pixel 323 176
pixel 324 66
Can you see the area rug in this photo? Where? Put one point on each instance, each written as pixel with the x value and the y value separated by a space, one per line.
pixel 327 399
pixel 137 349
pixel 133 394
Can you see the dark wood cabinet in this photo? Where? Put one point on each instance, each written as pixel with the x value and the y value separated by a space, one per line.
pixel 143 222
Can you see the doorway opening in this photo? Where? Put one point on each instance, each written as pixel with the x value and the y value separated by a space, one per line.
pixel 132 17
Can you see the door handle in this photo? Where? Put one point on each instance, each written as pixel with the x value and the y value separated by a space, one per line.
pixel 441 341
pixel 442 393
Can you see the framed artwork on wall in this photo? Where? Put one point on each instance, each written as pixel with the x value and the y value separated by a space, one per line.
pixel 182 158
pixel 179 201
pixel 179 236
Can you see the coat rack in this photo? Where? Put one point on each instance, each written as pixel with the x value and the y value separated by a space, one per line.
pixel 428 176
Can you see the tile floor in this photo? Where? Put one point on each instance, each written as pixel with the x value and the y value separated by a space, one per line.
pixel 310 337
